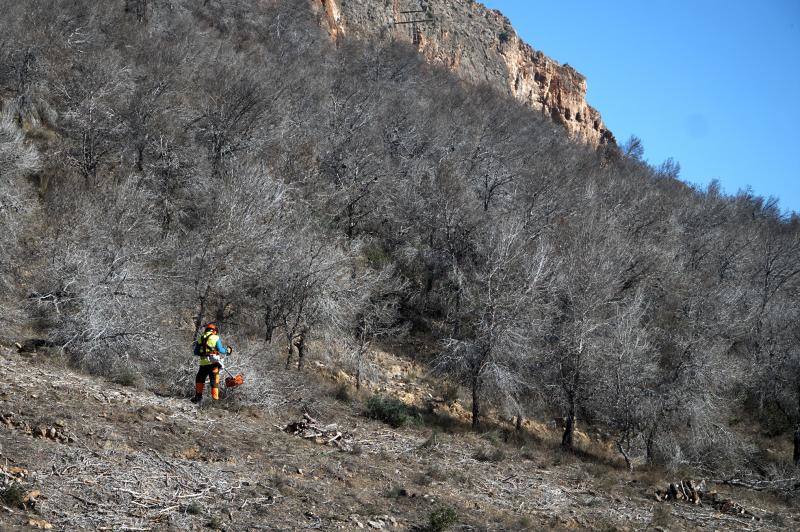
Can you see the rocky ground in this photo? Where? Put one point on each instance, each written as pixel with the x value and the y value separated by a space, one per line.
pixel 78 453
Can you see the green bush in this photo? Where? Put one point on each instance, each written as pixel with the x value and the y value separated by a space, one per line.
pixel 13 495
pixel 376 255
pixel 194 509
pixel 441 519
pixel 390 411
pixel 125 376
pixel 395 492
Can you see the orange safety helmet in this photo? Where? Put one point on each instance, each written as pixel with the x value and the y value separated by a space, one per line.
pixel 212 327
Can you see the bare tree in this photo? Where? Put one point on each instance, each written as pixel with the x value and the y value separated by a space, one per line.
pixel 231 115
pixel 497 311
pixel 630 371
pixel 372 303
pixel 91 96
pixel 17 159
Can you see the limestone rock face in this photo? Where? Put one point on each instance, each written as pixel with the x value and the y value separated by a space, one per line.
pixel 480 45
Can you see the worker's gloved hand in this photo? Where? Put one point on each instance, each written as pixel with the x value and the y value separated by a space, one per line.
pixel 230 350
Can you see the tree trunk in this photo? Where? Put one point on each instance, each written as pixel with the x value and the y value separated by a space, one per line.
pixel 625 455
pixel 139 164
pixel 201 312
pixel 475 403
pixel 796 454
pixel 268 327
pixel 568 439
pixel 219 314
pixel 301 350
pixel 289 349
pixel 650 445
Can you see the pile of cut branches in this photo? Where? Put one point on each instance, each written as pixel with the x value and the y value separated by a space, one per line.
pixel 309 428
pixel 697 493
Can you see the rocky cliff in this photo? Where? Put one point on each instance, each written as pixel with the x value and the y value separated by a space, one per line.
pixel 481 46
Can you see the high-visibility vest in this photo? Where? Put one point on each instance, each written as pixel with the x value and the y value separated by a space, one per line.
pixel 208 347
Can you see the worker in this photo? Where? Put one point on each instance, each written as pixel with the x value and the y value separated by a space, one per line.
pixel 210 350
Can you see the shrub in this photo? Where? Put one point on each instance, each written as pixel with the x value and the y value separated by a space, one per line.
pixel 441 519
pixel 194 509
pixel 342 393
pixel 433 473
pixel 377 256
pixel 662 516
pixel 356 450
pixel 494 455
pixel 396 492
pixel 450 393
pixel 431 442
pixel 492 437
pixel 389 410
pixel 13 495
pixel 126 376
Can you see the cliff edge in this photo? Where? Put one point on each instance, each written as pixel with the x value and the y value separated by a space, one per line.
pixel 481 46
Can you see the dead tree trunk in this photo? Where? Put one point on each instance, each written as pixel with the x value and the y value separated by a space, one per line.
pixel 201 311
pixel 568 439
pixel 137 8
pixel 796 454
pixel 625 455
pixel 300 343
pixel 475 402
pixel 289 349
pixel 650 442
pixel 269 327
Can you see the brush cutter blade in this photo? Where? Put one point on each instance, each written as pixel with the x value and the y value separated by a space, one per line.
pixel 233 382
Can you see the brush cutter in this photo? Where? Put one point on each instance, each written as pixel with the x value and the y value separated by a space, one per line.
pixel 232 381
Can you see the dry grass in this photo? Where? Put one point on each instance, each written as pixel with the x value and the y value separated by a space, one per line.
pixel 262 474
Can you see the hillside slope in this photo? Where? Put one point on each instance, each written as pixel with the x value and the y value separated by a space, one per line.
pixel 188 162
pixel 123 459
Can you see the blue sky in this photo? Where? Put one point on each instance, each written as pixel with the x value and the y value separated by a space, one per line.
pixel 714 84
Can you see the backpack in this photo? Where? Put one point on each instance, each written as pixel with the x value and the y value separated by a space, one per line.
pixel 201 348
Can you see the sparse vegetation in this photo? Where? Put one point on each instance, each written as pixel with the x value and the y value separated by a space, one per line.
pixel 432 441
pixel 126 376
pixel 390 410
pixel 342 393
pixel 662 516
pixel 396 491
pixel 494 454
pixel 155 176
pixel 194 508
pixel 441 519
pixel 13 495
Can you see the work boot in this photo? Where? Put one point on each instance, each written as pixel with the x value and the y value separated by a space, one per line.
pixel 198 392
